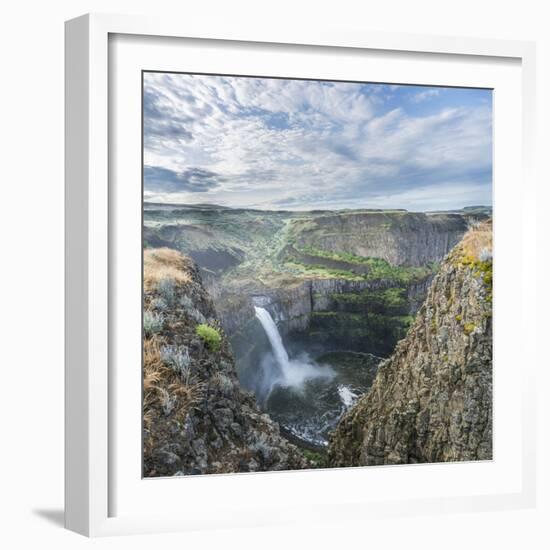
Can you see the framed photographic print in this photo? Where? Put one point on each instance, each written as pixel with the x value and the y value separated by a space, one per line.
pixel 292 270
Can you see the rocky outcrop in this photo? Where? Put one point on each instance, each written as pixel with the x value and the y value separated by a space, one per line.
pixel 400 238
pixel 197 418
pixel 416 294
pixel 293 306
pixel 432 399
pixel 367 316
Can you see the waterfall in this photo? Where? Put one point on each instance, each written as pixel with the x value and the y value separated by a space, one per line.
pixel 292 372
pixel 274 337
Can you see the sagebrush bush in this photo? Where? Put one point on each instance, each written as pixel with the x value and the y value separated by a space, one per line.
pixel 152 322
pixel 197 316
pixel 167 291
pixel 167 401
pixel 210 336
pixel 159 304
pixel 186 302
pixel 223 382
pixel 177 358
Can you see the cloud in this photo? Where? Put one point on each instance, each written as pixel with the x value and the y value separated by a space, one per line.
pixel 162 120
pixel 270 143
pixel 193 180
pixel 425 95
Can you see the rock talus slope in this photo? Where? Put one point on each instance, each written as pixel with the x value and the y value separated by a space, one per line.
pixel 197 419
pixel 432 399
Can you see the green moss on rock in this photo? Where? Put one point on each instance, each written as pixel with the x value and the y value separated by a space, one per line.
pixel 210 336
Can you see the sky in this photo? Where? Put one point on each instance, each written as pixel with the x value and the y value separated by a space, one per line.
pixel 279 144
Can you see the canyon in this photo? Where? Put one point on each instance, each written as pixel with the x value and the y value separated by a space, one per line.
pixel 335 294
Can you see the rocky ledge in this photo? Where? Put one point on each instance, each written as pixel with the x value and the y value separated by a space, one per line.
pixel 197 418
pixel 432 399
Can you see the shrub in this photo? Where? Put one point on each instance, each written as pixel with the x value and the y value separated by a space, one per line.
pixel 177 358
pixel 152 322
pixel 210 336
pixel 186 302
pixel 159 304
pixel 165 392
pixel 469 328
pixel 317 459
pixel 167 401
pixel 223 382
pixel 167 290
pixel 197 316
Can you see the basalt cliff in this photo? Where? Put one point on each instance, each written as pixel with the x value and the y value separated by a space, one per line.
pixel 196 417
pixel 347 296
pixel 431 400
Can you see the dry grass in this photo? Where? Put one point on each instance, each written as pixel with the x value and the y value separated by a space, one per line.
pixel 188 395
pixel 153 373
pixel 477 240
pixel 153 367
pixel 164 390
pixel 164 263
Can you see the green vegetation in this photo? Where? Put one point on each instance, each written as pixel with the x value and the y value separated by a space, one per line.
pixel 481 268
pixel 381 269
pixel 338 256
pixel 394 297
pixel 275 248
pixel 318 459
pixel 469 328
pixel 371 268
pixel 210 336
pixel 486 270
pixel 377 332
pixel 322 271
pixel 391 301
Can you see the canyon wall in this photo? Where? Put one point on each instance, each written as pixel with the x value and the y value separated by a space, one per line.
pixel 432 399
pixel 400 238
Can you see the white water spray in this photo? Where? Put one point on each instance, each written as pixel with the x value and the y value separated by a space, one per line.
pixel 292 372
pixel 274 337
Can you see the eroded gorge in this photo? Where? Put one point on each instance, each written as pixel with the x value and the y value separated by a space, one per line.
pixel 311 302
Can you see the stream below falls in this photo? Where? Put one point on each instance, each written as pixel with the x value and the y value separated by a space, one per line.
pixel 306 395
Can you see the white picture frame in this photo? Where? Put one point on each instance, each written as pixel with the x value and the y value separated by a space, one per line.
pixel 93 423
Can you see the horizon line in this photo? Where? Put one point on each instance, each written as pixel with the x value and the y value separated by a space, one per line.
pixel 375 209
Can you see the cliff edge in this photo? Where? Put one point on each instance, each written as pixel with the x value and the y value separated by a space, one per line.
pixel 196 417
pixel 432 399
